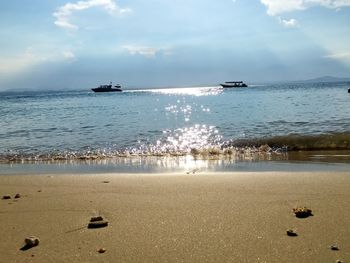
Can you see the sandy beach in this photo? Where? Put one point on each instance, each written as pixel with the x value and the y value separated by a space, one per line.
pixel 201 217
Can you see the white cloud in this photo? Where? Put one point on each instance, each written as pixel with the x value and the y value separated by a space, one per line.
pixel 31 57
pixel 343 55
pixel 68 55
pixel 19 61
pixel 64 13
pixel 144 51
pixel 275 7
pixel 288 23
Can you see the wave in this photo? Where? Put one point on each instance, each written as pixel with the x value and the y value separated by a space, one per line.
pixel 277 147
pixel 295 142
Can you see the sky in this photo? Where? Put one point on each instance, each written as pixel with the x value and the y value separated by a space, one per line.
pixel 69 44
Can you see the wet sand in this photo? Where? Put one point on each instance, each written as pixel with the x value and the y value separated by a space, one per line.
pixel 201 217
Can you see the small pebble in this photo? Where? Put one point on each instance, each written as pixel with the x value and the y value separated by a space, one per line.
pixel 105 182
pixel 98 224
pixel 6 197
pixel 291 233
pixel 338 261
pixel 96 218
pixel 333 247
pixel 17 196
pixel 101 250
pixel 32 241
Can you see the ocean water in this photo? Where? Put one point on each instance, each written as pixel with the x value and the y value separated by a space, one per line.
pixel 68 125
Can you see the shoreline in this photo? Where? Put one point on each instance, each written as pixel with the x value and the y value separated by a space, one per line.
pixel 213 217
pixel 299 162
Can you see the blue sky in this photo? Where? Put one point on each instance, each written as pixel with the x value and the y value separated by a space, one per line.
pixel 60 44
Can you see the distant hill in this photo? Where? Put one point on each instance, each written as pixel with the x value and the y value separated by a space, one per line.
pixel 327 79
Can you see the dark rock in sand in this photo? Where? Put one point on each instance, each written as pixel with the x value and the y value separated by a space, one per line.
pixel 302 212
pixel 98 224
pixel 333 247
pixel 17 196
pixel 291 233
pixel 96 218
pixel 6 197
pixel 101 250
pixel 31 241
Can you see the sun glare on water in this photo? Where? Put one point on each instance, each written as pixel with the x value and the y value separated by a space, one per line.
pixel 191 91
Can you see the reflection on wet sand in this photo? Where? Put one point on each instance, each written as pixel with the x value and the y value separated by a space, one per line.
pixel 188 164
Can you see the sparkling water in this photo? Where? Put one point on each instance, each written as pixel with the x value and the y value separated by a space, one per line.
pixel 169 120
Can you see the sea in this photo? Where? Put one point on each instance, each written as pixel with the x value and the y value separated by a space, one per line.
pixel 261 127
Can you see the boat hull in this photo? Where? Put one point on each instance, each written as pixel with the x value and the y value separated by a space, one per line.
pixel 106 90
pixel 234 85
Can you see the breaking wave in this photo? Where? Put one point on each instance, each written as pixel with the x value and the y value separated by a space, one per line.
pixel 205 145
pixel 295 142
